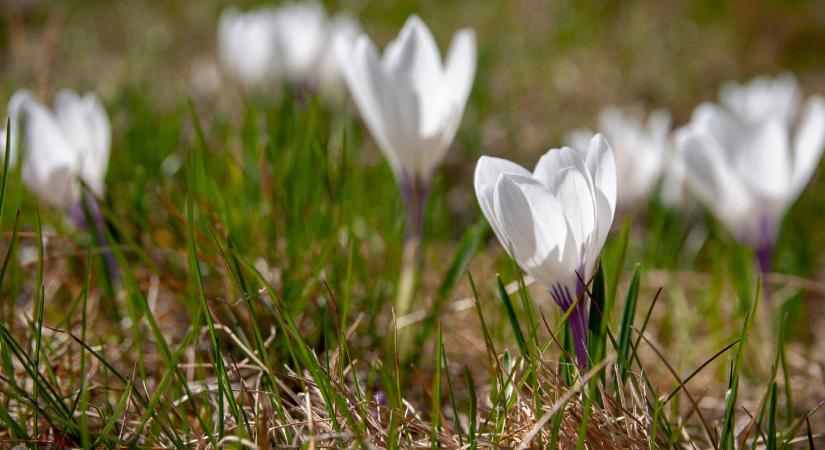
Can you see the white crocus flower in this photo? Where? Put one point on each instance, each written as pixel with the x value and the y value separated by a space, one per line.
pixel 63 145
pixel 554 221
pixel 248 48
pixel 641 148
pixel 293 42
pixel 748 173
pixel 301 36
pixel 411 102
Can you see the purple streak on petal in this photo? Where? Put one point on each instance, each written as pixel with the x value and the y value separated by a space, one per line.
pixel 577 319
pixel 78 216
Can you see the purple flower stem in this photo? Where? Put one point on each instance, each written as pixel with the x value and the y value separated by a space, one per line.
pixel 764 253
pixel 577 319
pixel 764 256
pixel 78 216
pixel 415 192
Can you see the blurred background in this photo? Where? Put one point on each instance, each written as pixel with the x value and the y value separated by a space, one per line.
pixel 545 67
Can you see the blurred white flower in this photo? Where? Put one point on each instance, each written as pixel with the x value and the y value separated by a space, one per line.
pixel 301 36
pixel 554 221
pixel 293 42
pixel 63 146
pixel 674 192
pixel 411 102
pixel 640 147
pixel 748 170
pixel 247 46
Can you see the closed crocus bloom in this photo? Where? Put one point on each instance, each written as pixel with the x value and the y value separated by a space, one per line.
pixel 64 145
pixel 301 36
pixel 748 174
pixel 247 46
pixel 411 102
pixel 554 221
pixel 640 146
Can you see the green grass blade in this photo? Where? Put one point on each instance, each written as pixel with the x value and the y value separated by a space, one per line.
pixel 771 444
pixel 511 316
pixel 730 403
pixel 627 321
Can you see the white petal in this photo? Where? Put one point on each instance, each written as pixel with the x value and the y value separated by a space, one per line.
pixel 300 36
pixel 358 61
pixel 809 142
pixel 711 179
pixel 724 127
pixel 601 165
pixel 415 55
pixel 574 193
pixel 602 168
pixel 766 166
pixel 552 163
pixel 247 46
pixel 85 124
pixel 459 72
pixel 488 170
pixel 51 164
pixel 533 225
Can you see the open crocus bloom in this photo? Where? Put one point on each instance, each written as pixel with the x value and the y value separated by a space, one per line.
pixel 749 172
pixel 640 147
pixel 293 42
pixel 554 221
pixel 410 101
pixel 63 146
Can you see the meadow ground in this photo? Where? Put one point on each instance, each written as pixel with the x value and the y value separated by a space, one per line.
pixel 259 242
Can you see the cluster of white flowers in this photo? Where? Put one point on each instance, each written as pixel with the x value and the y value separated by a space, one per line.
pixel 293 42
pixel 747 158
